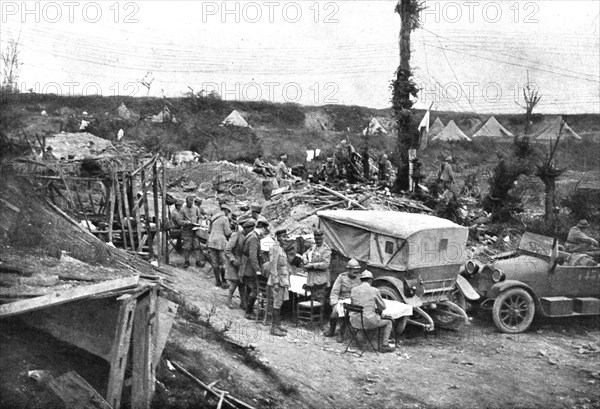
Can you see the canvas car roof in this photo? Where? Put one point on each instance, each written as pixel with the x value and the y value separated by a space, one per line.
pixel 395 224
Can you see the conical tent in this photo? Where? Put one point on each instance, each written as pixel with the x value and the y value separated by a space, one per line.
pixel 374 128
pixel 451 133
pixel 551 133
pixel 493 129
pixel 235 119
pixel 436 128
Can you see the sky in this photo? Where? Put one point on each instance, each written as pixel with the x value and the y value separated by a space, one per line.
pixel 467 55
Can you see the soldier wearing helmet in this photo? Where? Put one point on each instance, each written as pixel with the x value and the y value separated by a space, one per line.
pixel 340 293
pixel 370 299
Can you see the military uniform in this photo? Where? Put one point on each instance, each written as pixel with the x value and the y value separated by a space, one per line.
pixel 369 298
pixel 578 241
pixel 316 262
pixel 279 275
pixel 217 240
pixel 191 215
pixel 250 265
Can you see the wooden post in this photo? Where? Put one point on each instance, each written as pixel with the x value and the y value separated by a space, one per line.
pixel 147 213
pixel 119 197
pixel 87 222
pixel 144 338
pixel 158 234
pixel 120 350
pixel 165 243
pixel 91 198
pixel 138 219
pixel 126 203
pixel 111 211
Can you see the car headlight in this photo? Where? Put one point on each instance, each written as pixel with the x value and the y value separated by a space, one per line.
pixel 498 275
pixel 471 267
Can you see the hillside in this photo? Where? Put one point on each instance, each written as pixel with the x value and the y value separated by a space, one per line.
pixel 275 128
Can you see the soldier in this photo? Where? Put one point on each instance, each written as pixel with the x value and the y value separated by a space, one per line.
pixel 329 171
pixel 279 280
pixel 316 262
pixel 233 255
pixel 217 240
pixel 340 292
pixel 445 174
pixel 385 171
pixel 251 265
pixel 578 241
pixel 177 218
pixel 191 218
pixel 370 299
pixel 282 171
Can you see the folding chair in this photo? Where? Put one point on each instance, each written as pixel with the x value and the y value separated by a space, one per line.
pixel 353 308
pixel 174 239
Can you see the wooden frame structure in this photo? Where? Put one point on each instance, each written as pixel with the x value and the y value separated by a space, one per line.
pixel 109 197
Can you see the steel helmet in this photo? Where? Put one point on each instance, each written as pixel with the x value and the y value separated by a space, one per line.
pixel 366 275
pixel 353 264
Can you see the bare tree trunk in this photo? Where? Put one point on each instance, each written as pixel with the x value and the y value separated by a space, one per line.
pixel 550 188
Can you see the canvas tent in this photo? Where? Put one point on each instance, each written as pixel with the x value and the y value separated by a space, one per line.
pixel 235 119
pixel 451 133
pixel 552 131
pixel 374 128
pixel 493 129
pixel 164 115
pixel 436 127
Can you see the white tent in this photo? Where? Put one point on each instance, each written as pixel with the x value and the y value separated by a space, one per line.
pixel 374 128
pixel 235 119
pixel 493 129
pixel 551 133
pixel 164 115
pixel 451 133
pixel 436 127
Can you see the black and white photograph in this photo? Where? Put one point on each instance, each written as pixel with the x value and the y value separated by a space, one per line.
pixel 300 204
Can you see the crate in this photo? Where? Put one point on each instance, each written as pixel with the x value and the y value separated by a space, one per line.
pixel 586 305
pixel 557 306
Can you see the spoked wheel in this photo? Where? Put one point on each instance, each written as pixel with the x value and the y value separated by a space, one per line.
pixel 513 311
pixel 238 189
pixel 207 188
pixel 448 315
pixel 389 293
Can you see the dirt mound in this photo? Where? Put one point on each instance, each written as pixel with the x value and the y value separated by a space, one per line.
pixel 217 179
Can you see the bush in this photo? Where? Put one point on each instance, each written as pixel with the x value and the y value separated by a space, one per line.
pixel 584 204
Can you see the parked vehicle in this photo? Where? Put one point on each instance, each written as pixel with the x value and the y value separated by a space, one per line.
pixel 414 259
pixel 518 284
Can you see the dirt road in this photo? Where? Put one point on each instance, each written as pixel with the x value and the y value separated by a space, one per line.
pixel 555 364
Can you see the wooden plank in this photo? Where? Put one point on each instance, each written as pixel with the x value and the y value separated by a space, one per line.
pixel 166 316
pixel 127 214
pixel 61 297
pixel 76 393
pixel 165 243
pixel 144 335
pixel 341 196
pixel 111 212
pixel 138 221
pixel 159 232
pixel 118 195
pixel 120 350
pixel 147 213
pixel 10 206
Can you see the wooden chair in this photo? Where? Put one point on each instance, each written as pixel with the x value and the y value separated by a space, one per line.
pixel 310 311
pixel 358 309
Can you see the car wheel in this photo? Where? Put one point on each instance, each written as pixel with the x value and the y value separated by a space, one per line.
pixel 513 311
pixel 458 298
pixel 388 292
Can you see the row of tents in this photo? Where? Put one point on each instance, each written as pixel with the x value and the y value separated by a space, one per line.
pixel 451 132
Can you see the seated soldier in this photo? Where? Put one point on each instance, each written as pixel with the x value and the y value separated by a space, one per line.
pixel 329 171
pixel 340 293
pixel 262 168
pixel 578 241
pixel 370 299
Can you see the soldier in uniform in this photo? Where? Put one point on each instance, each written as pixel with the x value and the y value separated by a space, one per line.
pixel 217 240
pixel 340 291
pixel 191 218
pixel 329 171
pixel 251 265
pixel 316 262
pixel 370 299
pixel 233 256
pixel 177 219
pixel 279 280
pixel 578 241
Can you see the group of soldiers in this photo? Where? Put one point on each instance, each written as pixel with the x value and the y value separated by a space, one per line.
pixel 233 244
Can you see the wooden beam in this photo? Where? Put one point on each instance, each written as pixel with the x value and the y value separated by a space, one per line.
pixel 127 214
pixel 341 196
pixel 120 350
pixel 158 223
pixel 61 297
pixel 76 392
pixel 144 339
pixel 111 212
pixel 165 243
pixel 166 316
pixel 117 190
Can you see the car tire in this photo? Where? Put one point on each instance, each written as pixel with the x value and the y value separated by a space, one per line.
pixel 513 311
pixel 388 292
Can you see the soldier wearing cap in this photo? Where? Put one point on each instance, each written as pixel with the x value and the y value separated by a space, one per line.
pixel 279 279
pixel 254 212
pixel 316 262
pixel 218 233
pixel 385 171
pixel 340 292
pixel 177 219
pixel 578 241
pixel 329 171
pixel 370 299
pixel 191 219
pixel 233 255
pixel 445 174
pixel 282 172
pixel 251 264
